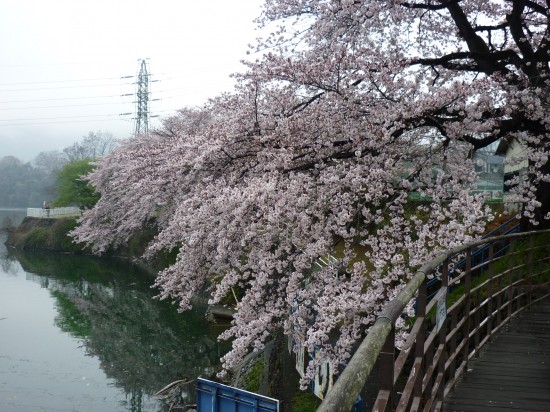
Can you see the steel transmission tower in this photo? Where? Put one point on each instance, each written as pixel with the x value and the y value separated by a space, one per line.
pixel 142 100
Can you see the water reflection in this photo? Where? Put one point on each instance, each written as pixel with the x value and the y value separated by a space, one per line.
pixel 9 218
pixel 8 264
pixel 141 344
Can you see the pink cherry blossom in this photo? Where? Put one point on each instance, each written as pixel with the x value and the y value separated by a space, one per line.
pixel 344 110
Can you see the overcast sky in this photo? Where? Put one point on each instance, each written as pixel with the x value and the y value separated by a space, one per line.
pixel 64 63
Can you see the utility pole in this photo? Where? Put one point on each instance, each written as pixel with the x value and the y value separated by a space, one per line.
pixel 142 100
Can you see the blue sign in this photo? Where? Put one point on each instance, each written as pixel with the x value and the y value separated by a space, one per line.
pixel 215 397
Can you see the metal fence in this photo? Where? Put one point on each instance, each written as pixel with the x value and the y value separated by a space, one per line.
pixel 53 213
pixel 467 309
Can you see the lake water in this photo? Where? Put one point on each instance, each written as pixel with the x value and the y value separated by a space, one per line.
pixel 84 334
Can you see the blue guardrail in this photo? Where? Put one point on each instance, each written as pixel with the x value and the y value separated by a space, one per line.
pixel 215 397
pixel 480 254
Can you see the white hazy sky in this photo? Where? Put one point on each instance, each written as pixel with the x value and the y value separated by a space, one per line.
pixel 62 63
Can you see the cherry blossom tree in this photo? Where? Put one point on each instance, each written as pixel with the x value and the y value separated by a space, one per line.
pixel 349 107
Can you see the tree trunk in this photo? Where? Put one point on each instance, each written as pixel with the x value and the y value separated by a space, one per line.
pixel 543 196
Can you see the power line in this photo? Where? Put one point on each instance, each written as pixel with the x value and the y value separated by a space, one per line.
pixel 73 63
pixel 64 87
pixel 61 105
pixel 67 81
pixel 151 75
pixel 64 122
pixel 110 117
pixel 60 117
pixel 78 80
pixel 66 98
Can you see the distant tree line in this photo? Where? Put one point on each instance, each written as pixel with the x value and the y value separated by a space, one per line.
pixel 29 184
pixel 22 184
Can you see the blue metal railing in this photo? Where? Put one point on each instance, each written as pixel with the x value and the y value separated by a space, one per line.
pixel 478 255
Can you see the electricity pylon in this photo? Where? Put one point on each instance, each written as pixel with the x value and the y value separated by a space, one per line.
pixel 142 100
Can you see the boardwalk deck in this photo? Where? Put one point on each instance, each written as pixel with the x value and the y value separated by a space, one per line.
pixel 513 372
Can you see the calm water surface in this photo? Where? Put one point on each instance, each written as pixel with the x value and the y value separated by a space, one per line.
pixel 84 334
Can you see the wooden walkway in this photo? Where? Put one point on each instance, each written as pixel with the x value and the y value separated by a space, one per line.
pixel 513 372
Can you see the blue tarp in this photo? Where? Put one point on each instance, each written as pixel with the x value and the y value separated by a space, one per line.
pixel 215 397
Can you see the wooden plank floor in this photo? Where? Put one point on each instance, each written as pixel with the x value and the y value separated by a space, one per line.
pixel 512 373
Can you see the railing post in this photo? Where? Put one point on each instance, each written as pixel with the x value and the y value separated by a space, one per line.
pixel 510 278
pixel 530 271
pixel 443 336
pixel 453 344
pixel 500 297
pixel 386 362
pixel 420 340
pixel 477 322
pixel 467 302
pixel 490 274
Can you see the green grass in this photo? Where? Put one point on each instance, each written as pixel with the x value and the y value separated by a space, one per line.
pixel 305 402
pixel 253 380
pixel 36 238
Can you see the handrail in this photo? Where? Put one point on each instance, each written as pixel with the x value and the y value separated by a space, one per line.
pixel 439 356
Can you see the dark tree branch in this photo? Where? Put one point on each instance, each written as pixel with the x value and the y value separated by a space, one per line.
pixel 476 44
pixel 543 51
pixel 515 21
pixel 424 6
pixel 498 59
pixel 501 26
pixel 439 61
pixel 303 105
pixel 536 7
